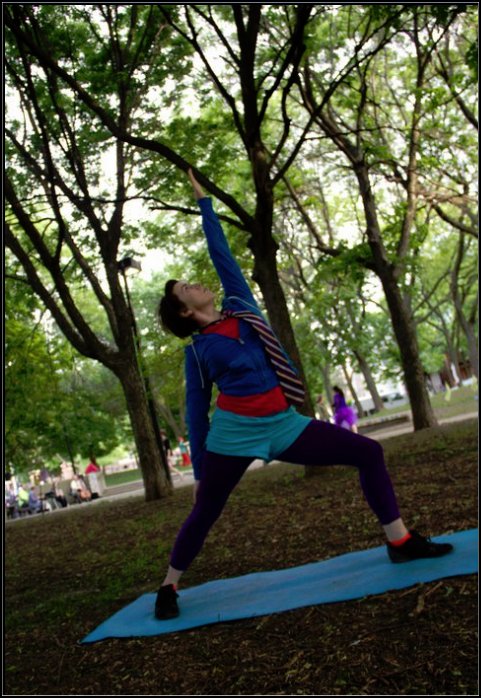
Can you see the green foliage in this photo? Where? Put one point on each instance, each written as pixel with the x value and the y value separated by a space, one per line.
pixel 139 69
pixel 57 405
pixel 350 265
pixel 472 58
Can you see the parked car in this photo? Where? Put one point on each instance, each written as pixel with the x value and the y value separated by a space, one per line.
pixel 394 399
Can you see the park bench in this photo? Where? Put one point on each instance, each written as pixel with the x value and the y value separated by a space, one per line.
pixel 382 422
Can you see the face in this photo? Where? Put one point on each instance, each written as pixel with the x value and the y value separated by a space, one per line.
pixel 193 296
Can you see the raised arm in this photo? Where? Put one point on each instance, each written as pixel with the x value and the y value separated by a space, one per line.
pixel 227 268
pixel 198 191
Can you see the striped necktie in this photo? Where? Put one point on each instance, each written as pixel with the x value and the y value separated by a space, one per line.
pixel 292 387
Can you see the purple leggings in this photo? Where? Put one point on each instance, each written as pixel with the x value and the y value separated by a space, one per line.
pixel 320 443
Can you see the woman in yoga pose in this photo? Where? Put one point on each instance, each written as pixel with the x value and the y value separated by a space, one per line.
pixel 255 416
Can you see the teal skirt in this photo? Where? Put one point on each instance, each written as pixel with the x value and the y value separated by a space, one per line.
pixel 266 438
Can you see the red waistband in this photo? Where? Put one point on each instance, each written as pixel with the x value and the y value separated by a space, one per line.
pixel 259 405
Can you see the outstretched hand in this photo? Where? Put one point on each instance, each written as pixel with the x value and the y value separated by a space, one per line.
pixel 198 192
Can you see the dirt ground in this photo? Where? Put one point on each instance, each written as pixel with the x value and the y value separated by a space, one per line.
pixel 67 573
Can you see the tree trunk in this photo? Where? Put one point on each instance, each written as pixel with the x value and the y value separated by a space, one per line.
pixel 151 456
pixel 405 332
pixel 472 348
pixel 264 249
pixel 452 357
pixel 469 333
pixel 265 274
pixel 370 382
pixel 451 361
pixel 353 392
pixel 467 325
pixel 169 418
pixel 326 379
pixel 69 450
pixel 402 320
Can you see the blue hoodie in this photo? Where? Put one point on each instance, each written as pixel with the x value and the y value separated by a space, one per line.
pixel 238 367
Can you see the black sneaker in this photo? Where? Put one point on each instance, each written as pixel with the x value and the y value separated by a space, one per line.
pixel 417 547
pixel 166 603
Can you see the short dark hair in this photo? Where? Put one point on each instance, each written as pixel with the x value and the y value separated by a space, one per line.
pixel 170 307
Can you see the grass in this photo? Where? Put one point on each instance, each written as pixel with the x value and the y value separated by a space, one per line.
pixel 66 573
pixel 123 477
pixel 460 401
pixel 126 476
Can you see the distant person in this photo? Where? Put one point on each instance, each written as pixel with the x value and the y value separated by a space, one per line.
pixel 79 490
pixel 59 494
pixel 85 492
pixel 184 453
pixel 34 502
pixel 92 467
pixel 22 499
pixel 165 441
pixel 92 471
pixel 344 416
pixel 11 504
pixel 234 348
pixel 322 410
pixel 75 489
pixel 171 464
pixel 169 455
pixel 45 476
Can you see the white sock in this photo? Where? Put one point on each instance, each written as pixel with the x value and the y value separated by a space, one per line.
pixel 395 530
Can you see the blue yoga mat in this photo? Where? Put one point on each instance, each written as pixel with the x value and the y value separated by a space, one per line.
pixel 349 576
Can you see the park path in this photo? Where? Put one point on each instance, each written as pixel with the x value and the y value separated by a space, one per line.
pixel 136 488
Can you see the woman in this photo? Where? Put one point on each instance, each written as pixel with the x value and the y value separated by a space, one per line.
pixel 344 416
pixel 79 490
pixel 184 452
pixel 254 416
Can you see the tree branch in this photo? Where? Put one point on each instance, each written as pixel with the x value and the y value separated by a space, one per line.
pixel 92 346
pixel 447 76
pixel 321 246
pixel 455 223
pixel 47 61
pixel 36 284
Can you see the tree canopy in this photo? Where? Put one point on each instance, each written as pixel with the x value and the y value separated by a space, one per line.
pixel 338 141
